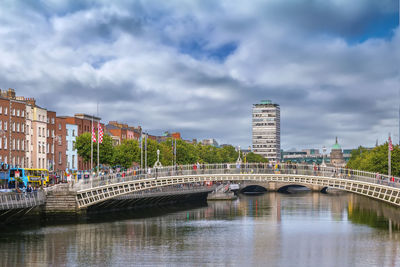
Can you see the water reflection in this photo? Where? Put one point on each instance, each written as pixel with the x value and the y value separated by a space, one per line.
pixel 274 229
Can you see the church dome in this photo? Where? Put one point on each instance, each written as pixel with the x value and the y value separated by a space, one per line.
pixel 336 145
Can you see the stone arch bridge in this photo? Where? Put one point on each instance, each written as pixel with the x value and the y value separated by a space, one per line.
pixel 94 191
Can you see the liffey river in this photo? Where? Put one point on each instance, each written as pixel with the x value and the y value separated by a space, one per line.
pixel 274 229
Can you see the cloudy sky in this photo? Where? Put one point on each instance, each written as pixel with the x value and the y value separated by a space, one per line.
pixel 198 66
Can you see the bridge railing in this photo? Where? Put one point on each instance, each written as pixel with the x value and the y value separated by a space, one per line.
pixel 192 188
pixel 21 200
pixel 244 168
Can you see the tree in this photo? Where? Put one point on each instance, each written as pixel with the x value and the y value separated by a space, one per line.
pixel 228 154
pixel 252 157
pixel 127 153
pixel 375 160
pixel 83 147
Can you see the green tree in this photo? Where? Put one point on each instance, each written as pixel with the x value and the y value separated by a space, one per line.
pixel 252 157
pixel 208 154
pixel 83 147
pixel 228 154
pixel 127 153
pixel 375 160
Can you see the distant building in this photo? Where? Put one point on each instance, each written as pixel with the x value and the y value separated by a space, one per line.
pixel 210 142
pixel 337 158
pixel 266 130
pixel 121 131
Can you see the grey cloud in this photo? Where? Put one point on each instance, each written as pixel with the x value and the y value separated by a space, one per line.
pixel 127 56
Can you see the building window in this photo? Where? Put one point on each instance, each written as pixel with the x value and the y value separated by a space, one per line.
pixel 17 127
pixel 73 132
pixel 52 120
pixel 5 112
pixel 59 140
pixel 59 158
pixel 1 125
pixel 13 144
pixel 39 148
pixel 5 159
pixel 59 126
pixel 22 113
pixel 13 112
pixel 22 145
pixel 44 132
pixel 47 148
pixel 1 142
pixel 52 149
pixel 17 144
pixel 40 132
pixel 1 109
pixel 48 132
pixel 13 126
pixel 18 113
pixel 22 128
pixel 48 120
pixel 52 133
pixel 5 142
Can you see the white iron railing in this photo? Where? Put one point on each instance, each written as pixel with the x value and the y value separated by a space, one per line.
pixel 21 200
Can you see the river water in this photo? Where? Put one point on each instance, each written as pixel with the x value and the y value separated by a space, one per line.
pixel 307 229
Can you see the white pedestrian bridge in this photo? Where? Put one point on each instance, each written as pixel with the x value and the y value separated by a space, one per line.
pixel 373 185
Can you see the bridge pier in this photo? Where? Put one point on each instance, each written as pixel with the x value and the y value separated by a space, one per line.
pixel 273 186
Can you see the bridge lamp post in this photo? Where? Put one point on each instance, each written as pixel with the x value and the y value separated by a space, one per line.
pixel 323 160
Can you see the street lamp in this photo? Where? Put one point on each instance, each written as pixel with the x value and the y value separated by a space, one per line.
pixel 323 158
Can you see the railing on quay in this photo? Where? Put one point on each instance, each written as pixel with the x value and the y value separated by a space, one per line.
pixel 21 200
pixel 244 168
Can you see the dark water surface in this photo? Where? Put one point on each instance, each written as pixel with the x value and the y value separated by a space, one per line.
pixel 308 229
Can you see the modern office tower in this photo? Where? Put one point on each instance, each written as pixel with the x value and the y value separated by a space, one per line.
pixel 266 128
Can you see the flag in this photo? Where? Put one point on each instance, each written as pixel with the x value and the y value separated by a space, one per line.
pixel 93 135
pixel 390 144
pixel 100 134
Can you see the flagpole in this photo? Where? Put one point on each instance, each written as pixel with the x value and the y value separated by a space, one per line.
pixel 141 149
pixel 175 152
pixel 91 153
pixel 145 152
pixel 98 141
pixel 389 158
pixel 172 141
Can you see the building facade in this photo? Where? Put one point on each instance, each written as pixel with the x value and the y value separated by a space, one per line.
pixel 29 136
pixel 266 130
pixel 71 152
pixel 12 131
pixel 50 138
pixel 39 140
pixel 84 123
pixel 337 158
pixel 60 145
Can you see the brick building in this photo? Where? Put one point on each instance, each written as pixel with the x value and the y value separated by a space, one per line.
pixel 12 129
pixel 60 144
pixel 121 132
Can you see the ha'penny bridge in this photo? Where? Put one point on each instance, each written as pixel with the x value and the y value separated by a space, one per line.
pixel 182 182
